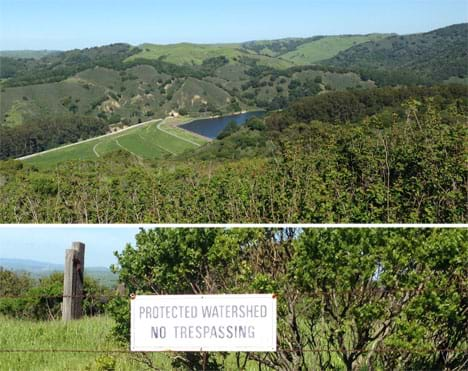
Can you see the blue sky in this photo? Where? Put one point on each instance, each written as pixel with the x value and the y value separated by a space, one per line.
pixel 67 24
pixel 48 243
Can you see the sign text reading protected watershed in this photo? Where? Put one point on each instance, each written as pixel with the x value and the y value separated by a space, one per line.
pixel 203 322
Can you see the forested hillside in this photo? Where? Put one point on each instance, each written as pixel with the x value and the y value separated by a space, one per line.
pixel 116 89
pixel 431 57
pixel 121 83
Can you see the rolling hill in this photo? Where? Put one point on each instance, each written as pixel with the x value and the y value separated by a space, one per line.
pixel 25 54
pixel 326 47
pixel 38 269
pixel 305 51
pixel 121 84
pixel 136 89
pixel 27 265
pixel 197 54
pixel 151 80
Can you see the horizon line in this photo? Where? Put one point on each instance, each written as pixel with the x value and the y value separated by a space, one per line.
pixel 237 42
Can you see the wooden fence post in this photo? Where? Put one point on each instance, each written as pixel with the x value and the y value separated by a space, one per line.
pixel 73 282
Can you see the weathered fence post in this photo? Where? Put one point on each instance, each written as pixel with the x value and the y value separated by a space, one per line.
pixel 73 280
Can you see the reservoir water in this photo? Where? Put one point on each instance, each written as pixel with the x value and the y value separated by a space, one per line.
pixel 212 127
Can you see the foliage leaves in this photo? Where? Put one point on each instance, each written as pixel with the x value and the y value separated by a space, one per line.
pixel 349 292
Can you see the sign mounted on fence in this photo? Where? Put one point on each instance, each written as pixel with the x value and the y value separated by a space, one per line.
pixel 203 323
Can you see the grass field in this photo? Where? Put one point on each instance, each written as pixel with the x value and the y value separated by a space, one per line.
pixel 155 139
pixel 186 53
pixel 195 54
pixel 92 333
pixel 86 334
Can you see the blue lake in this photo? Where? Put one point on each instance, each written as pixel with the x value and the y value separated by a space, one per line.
pixel 212 127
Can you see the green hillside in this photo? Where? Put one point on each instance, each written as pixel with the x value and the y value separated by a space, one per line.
pixel 320 160
pixel 327 47
pixel 53 98
pixel 425 57
pixel 141 90
pixel 154 140
pixel 197 54
pixel 123 85
pixel 186 53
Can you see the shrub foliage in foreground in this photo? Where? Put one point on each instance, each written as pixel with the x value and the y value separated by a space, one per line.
pixel 368 298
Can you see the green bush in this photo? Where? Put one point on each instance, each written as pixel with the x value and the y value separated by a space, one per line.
pixel 42 299
pixel 230 128
pixel 348 292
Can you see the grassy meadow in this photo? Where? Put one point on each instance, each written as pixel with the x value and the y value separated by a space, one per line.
pixel 195 54
pixel 89 333
pixel 157 139
pixel 186 53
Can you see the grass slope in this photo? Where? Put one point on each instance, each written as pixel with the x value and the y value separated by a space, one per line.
pixel 35 99
pixel 327 47
pixel 186 53
pixel 195 54
pixel 148 141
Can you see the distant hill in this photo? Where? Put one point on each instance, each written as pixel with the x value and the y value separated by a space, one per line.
pixel 27 54
pixel 38 269
pixel 121 84
pixel 29 265
pixel 434 56
pixel 309 50
pixel 197 54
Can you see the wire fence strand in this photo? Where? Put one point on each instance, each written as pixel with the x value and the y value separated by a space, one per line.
pixel 319 292
pixel 315 350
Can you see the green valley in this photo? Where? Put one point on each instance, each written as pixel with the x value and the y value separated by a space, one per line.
pixel 374 133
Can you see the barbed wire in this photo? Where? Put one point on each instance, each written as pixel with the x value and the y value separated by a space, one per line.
pixel 314 350
pixel 62 296
pixel 462 289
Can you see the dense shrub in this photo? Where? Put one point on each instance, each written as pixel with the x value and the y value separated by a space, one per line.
pixel 349 293
pixel 24 298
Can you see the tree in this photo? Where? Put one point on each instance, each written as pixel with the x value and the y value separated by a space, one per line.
pixel 42 300
pixel 379 298
pixel 12 283
pixel 230 129
pixel 183 112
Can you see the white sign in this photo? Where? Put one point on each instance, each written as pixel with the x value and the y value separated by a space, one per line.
pixel 203 323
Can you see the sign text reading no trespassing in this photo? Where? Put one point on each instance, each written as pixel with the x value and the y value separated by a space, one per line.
pixel 203 323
